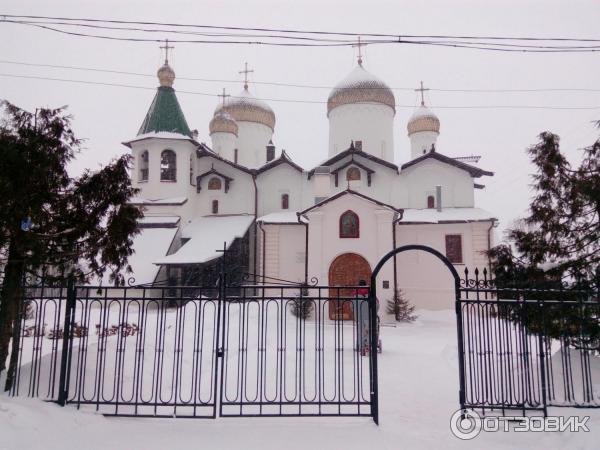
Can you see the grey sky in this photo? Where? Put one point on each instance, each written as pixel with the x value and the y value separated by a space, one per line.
pixel 106 116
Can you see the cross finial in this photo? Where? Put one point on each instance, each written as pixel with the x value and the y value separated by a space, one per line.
pixel 359 45
pixel 224 96
pixel 246 72
pixel 422 90
pixel 166 49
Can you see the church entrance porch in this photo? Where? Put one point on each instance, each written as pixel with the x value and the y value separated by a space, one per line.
pixel 346 270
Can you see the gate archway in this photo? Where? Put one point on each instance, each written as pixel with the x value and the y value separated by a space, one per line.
pixel 373 315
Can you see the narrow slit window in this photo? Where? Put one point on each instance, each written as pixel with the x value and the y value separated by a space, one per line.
pixel 215 206
pixel 144 163
pixel 285 201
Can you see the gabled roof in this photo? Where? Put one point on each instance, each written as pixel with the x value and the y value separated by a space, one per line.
pixel 165 114
pixel 283 159
pixel 351 151
pixel 475 172
pixel 213 171
pixel 203 150
pixel 349 192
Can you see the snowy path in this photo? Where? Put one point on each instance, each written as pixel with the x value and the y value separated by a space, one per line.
pixel 418 394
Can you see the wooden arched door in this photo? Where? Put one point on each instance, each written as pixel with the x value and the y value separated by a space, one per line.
pixel 346 270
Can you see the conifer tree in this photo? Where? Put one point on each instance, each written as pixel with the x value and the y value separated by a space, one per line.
pixel 72 227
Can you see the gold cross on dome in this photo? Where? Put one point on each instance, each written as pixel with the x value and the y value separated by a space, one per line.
pixel 166 49
pixel 224 96
pixel 246 72
pixel 422 90
pixel 359 45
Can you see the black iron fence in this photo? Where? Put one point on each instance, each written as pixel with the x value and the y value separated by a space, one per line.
pixel 527 349
pixel 182 351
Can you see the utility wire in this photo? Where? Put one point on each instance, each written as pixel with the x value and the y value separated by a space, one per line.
pixel 493 46
pixel 280 100
pixel 294 85
pixel 314 32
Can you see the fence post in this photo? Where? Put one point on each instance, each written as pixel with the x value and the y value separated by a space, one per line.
pixel 460 343
pixel 542 353
pixel 373 353
pixel 64 375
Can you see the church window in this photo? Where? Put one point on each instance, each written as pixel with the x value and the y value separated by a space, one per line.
pixel 214 184
pixel 168 166
pixel 353 174
pixel 285 201
pixel 235 155
pixel 191 170
pixel 349 225
pixel 430 201
pixel 144 160
pixel 215 206
pixel 454 248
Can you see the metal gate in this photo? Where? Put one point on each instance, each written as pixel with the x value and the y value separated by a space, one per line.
pixel 190 351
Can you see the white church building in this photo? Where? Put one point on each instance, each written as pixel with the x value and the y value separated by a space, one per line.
pixel 332 222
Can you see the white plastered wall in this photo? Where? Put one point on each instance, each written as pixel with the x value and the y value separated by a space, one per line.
pixel 252 143
pixel 426 282
pixel 371 123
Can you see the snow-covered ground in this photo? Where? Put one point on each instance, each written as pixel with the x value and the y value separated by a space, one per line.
pixel 418 394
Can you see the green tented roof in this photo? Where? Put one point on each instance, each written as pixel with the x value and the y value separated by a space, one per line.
pixel 165 114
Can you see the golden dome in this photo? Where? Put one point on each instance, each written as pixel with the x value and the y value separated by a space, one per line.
pixel 222 122
pixel 360 86
pixel 423 119
pixel 166 75
pixel 246 108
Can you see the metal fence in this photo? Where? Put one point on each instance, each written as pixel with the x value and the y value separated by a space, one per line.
pixel 182 351
pixel 527 349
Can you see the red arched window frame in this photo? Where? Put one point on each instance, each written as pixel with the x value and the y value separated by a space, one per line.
pixel 349 225
pixel 285 201
pixel 215 206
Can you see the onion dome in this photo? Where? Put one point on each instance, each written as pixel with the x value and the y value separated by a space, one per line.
pixel 360 86
pixel 222 122
pixel 166 75
pixel 246 108
pixel 423 119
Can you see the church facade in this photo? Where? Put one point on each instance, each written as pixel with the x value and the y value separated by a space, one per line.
pixel 279 221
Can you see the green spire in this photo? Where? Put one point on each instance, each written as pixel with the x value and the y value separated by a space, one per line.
pixel 165 114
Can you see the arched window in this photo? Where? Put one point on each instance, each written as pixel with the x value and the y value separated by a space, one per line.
pixel 430 201
pixel 214 184
pixel 215 206
pixel 168 166
pixel 353 173
pixel 349 225
pixel 285 201
pixel 144 161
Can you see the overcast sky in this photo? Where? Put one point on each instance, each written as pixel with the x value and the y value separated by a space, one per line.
pixel 106 116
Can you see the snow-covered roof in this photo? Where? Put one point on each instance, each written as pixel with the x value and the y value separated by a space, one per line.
pixel 206 237
pixel 281 217
pixel 159 135
pixel 446 215
pixel 149 221
pixel 158 201
pixel 149 245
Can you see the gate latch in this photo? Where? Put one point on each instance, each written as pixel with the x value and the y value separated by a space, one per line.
pixel 220 352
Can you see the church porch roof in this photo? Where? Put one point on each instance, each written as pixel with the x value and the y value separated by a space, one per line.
pixel 353 193
pixel 475 172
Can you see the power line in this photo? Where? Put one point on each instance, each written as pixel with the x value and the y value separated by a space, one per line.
pixel 314 32
pixel 295 85
pixel 280 100
pixel 470 42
